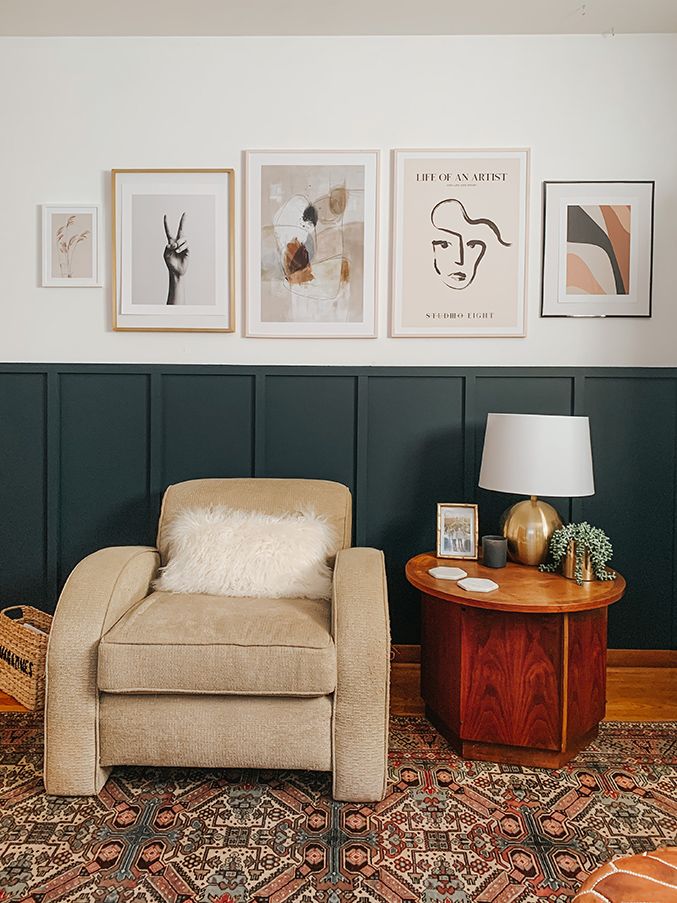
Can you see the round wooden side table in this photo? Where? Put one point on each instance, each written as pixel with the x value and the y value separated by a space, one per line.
pixel 517 675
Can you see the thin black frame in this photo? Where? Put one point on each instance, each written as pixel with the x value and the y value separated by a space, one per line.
pixel 651 245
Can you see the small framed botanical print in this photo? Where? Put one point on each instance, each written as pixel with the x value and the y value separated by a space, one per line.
pixel 173 240
pixel 70 245
pixel 457 530
pixel 597 249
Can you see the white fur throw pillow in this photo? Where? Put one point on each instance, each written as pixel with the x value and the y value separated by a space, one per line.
pixel 225 552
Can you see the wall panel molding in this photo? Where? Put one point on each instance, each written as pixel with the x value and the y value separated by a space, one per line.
pixel 88 450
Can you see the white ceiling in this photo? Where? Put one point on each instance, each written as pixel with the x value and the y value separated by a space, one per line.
pixel 340 17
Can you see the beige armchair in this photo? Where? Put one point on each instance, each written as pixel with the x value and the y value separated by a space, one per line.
pixel 136 677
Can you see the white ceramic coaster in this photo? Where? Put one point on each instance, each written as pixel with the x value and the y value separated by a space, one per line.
pixel 445 573
pixel 478 585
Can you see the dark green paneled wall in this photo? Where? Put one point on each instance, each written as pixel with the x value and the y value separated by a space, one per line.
pixel 87 451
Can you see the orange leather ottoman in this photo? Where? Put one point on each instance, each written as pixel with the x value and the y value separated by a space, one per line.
pixel 646 878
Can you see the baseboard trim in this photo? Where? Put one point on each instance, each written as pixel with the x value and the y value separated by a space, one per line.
pixel 642 658
pixel 404 654
pixel 616 658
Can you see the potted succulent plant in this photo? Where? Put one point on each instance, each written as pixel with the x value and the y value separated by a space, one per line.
pixel 581 551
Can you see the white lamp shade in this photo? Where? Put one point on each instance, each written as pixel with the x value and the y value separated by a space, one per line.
pixel 537 454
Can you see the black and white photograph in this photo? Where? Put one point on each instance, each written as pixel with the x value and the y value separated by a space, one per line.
pixel 173 240
pixel 457 530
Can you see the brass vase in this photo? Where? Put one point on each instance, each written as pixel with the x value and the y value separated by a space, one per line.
pixel 569 564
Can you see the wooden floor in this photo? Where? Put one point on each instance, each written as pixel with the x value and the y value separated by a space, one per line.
pixel 633 694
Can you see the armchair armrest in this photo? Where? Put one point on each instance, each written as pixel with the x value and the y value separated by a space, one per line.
pixel 361 629
pixel 98 592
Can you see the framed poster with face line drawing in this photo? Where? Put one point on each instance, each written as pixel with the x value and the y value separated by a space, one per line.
pixel 459 243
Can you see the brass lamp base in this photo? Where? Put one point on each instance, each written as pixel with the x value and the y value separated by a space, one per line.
pixel 528 526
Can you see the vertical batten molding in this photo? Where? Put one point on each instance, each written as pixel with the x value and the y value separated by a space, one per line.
pixel 156 462
pixel 52 486
pixel 259 425
pixel 469 437
pixel 577 409
pixel 673 638
pixel 361 459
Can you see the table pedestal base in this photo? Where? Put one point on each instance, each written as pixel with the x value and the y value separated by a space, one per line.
pixel 511 686
pixel 509 755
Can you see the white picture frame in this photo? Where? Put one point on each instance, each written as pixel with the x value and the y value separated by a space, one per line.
pixel 70 245
pixel 473 203
pixel 311 231
pixel 173 250
pixel 597 249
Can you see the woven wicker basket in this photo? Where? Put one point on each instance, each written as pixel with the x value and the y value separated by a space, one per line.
pixel 22 654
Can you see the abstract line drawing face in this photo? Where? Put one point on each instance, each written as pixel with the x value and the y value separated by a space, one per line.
pixel 598 249
pixel 310 244
pixel 462 243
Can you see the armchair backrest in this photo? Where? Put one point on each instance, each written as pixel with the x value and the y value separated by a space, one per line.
pixel 333 500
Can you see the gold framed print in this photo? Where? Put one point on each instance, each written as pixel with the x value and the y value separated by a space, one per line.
pixel 459 243
pixel 173 240
pixel 457 530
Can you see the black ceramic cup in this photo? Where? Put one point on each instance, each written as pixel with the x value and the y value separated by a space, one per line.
pixel 494 551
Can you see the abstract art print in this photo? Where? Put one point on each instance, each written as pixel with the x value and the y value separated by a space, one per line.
pixel 597 249
pixel 70 245
pixel 459 242
pixel 173 239
pixel 311 243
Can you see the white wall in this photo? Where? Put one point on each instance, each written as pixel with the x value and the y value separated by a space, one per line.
pixel 590 108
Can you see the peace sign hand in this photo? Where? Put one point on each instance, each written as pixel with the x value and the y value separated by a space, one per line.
pixel 176 251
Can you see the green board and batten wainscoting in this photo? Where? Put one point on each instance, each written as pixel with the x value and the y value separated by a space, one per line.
pixel 86 451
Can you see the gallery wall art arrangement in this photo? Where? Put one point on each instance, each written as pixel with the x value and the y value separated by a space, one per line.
pixel 312 239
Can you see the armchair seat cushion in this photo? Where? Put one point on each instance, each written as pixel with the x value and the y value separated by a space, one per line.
pixel 189 643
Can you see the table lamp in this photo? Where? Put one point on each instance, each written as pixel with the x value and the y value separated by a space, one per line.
pixel 535 454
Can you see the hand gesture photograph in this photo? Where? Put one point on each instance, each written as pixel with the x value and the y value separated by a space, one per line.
pixel 173 252
pixel 176 258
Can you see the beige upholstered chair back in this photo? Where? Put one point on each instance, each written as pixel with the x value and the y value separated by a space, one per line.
pixel 332 500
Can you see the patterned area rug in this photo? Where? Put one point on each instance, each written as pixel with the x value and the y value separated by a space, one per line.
pixel 449 831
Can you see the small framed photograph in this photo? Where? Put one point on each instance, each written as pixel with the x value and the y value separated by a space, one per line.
pixel 597 249
pixel 459 243
pixel 457 530
pixel 173 239
pixel 70 245
pixel 311 236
